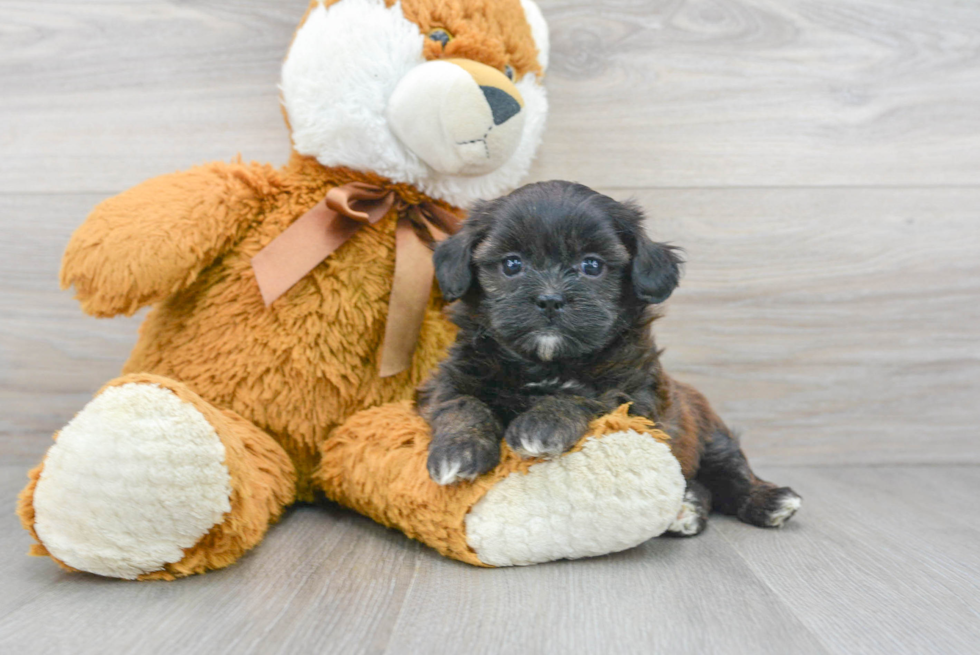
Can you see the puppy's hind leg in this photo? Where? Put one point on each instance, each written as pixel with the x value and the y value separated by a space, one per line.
pixel 693 517
pixel 736 490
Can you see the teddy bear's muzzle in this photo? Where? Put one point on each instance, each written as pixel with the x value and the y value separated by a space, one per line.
pixel 459 116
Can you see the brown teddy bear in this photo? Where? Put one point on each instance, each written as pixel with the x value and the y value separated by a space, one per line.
pixel 286 302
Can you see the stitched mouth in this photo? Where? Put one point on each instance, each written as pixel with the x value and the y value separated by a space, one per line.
pixel 482 139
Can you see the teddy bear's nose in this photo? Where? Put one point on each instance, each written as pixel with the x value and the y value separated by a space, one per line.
pixel 458 116
pixel 502 104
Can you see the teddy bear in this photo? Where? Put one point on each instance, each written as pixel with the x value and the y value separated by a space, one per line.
pixel 294 314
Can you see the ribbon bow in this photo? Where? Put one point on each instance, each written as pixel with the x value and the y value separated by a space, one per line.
pixel 333 220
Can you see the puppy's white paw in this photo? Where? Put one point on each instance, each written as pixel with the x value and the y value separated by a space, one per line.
pixel 536 448
pixel 693 517
pixel 447 472
pixel 461 460
pixel 769 506
pixel 543 433
pixel 786 507
pixel 689 522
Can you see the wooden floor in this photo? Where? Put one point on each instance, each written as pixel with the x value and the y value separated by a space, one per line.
pixel 818 159
pixel 884 560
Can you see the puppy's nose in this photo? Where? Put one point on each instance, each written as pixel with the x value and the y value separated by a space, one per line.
pixel 551 302
pixel 503 106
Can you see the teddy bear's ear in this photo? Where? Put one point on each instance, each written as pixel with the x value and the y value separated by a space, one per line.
pixel 539 30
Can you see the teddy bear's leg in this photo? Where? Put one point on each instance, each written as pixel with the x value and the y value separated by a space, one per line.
pixel 151 481
pixel 615 489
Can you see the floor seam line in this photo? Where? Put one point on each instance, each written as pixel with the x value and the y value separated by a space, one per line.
pixel 782 599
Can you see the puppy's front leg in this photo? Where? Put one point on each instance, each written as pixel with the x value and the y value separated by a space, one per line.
pixel 465 440
pixel 552 425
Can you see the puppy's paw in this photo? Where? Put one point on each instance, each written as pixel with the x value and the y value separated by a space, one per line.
pixel 456 460
pixel 693 517
pixel 537 434
pixel 770 507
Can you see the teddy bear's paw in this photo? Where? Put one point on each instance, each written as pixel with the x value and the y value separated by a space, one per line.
pixel 615 493
pixel 137 477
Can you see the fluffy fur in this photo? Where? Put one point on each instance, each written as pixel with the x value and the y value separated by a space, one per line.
pixel 283 389
pixel 335 97
pixel 279 390
pixel 296 369
pixel 171 484
pixel 555 283
pixel 375 463
pixel 548 519
pixel 261 476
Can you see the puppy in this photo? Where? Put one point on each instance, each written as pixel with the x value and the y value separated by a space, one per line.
pixel 557 286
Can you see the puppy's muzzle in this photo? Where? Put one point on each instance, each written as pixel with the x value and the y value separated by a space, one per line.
pixel 459 116
pixel 550 303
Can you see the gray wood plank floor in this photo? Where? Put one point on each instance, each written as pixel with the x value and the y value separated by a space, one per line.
pixel 883 560
pixel 819 160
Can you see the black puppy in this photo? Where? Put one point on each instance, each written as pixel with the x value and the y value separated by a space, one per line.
pixel 556 284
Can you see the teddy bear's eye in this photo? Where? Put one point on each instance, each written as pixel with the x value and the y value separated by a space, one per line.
pixel 509 72
pixel 441 35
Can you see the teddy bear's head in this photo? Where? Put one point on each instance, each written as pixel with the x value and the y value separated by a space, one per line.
pixel 445 95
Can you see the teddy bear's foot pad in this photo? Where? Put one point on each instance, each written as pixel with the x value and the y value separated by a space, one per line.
pixel 613 494
pixel 137 477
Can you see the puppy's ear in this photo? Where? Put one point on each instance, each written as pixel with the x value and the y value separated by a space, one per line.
pixel 453 260
pixel 656 269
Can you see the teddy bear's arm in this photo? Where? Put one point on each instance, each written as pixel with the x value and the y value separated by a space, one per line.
pixel 153 240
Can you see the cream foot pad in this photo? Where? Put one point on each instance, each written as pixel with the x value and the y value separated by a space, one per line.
pixel 613 494
pixel 133 480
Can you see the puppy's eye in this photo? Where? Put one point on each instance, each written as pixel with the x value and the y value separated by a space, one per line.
pixel 511 265
pixel 509 72
pixel 441 35
pixel 593 266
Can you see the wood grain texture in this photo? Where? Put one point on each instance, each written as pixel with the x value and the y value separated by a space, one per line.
pixel 820 163
pixel 52 357
pixel 878 554
pixel 764 92
pixel 667 596
pixel 100 95
pixel 829 325
pixel 880 560
pixel 324 581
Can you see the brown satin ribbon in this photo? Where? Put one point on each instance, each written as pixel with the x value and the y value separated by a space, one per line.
pixel 333 220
